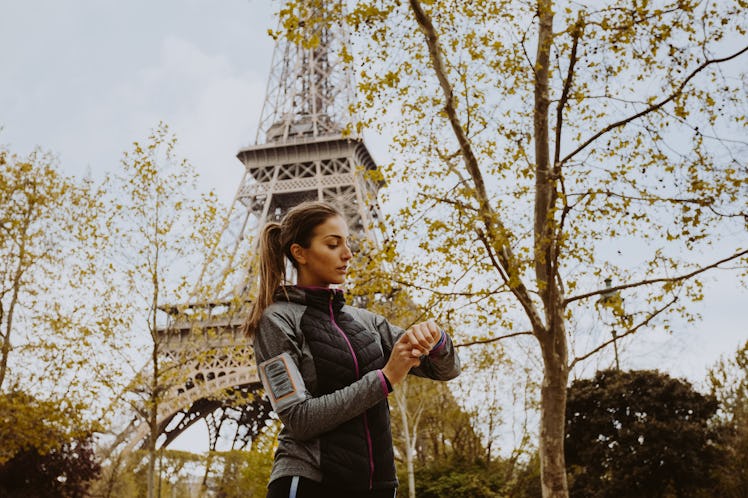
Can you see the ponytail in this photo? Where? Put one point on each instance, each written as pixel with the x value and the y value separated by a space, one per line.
pixel 276 239
pixel 272 274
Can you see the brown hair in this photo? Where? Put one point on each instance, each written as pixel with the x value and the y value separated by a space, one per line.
pixel 276 239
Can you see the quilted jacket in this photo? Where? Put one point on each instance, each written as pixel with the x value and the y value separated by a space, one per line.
pixel 340 432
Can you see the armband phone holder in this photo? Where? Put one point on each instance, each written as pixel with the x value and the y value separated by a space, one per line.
pixel 282 381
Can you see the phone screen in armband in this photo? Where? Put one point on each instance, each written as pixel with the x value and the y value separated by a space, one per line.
pixel 282 381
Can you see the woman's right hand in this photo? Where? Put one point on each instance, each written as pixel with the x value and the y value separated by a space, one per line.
pixel 402 358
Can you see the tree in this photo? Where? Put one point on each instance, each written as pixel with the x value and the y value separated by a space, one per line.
pixel 728 381
pixel 544 146
pixel 460 478
pixel 500 396
pixel 65 472
pixel 118 478
pixel 54 353
pixel 640 434
pixel 247 472
pixel 41 456
pixel 446 445
pixel 429 425
pixel 161 229
pixel 457 478
pixel 408 429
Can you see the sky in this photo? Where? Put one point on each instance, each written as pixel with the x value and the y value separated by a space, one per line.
pixel 86 78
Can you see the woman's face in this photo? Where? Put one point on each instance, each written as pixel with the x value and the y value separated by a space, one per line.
pixel 326 259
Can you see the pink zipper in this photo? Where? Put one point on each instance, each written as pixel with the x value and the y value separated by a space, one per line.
pixel 358 376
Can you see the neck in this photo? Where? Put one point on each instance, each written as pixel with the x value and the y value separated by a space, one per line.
pixel 301 285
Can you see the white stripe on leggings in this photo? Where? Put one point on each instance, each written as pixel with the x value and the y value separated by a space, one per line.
pixel 294 487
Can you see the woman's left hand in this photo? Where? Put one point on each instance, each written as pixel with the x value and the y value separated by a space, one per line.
pixel 422 337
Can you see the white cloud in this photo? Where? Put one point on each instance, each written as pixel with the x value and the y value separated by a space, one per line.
pixel 88 79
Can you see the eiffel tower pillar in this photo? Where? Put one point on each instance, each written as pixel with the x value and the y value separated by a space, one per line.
pixel 302 153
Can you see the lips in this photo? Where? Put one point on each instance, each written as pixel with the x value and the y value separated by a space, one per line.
pixel 342 268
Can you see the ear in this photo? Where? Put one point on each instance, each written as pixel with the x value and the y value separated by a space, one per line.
pixel 298 253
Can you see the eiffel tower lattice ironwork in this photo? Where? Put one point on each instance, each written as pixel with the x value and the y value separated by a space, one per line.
pixel 301 153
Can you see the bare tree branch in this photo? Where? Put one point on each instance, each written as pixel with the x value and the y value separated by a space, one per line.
pixel 495 229
pixel 678 91
pixel 456 203
pixel 627 333
pixel 654 198
pixel 492 339
pixel 492 256
pixel 442 293
pixel 575 35
pixel 656 280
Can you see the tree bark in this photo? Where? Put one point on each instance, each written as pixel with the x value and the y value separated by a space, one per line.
pixel 153 426
pixel 402 402
pixel 8 315
pixel 552 338
pixel 409 432
pixel 553 412
pixel 155 380
pixel 551 333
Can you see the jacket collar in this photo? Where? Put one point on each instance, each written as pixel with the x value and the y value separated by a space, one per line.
pixel 315 297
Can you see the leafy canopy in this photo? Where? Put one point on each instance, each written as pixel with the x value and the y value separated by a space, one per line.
pixel 639 434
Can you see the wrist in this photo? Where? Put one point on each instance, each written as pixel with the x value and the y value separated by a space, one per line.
pixel 387 381
pixel 384 378
pixel 440 343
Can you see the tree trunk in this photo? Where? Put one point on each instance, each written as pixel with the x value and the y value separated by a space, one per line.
pixel 155 380
pixel 8 315
pixel 552 334
pixel 552 337
pixel 153 423
pixel 402 403
pixel 155 393
pixel 552 415
pixel 206 474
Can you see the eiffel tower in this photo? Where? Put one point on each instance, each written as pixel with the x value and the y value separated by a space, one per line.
pixel 301 153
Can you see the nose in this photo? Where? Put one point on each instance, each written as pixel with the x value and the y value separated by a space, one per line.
pixel 347 253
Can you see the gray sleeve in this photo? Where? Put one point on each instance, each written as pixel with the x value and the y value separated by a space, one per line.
pixel 313 416
pixel 442 363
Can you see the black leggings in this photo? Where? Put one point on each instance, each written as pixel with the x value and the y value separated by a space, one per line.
pixel 306 488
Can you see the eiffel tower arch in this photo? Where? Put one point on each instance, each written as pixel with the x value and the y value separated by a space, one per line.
pixel 301 153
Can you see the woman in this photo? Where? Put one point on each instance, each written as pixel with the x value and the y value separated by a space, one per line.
pixel 328 367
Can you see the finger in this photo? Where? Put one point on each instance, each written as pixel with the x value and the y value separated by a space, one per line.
pixel 406 338
pixel 422 336
pixel 411 338
pixel 430 337
pixel 426 335
pixel 420 349
pixel 434 330
pixel 406 343
pixel 406 351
